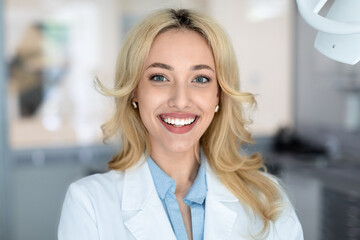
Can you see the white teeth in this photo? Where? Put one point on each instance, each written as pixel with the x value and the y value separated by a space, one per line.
pixel 178 122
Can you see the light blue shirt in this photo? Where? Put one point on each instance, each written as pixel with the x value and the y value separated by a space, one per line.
pixel 195 199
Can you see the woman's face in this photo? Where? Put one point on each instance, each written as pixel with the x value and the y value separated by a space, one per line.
pixel 178 91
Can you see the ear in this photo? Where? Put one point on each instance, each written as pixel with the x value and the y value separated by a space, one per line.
pixel 134 95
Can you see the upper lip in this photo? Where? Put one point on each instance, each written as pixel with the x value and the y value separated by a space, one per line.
pixel 178 115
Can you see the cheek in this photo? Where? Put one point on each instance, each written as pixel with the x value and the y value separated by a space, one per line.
pixel 208 100
pixel 149 101
pixel 207 107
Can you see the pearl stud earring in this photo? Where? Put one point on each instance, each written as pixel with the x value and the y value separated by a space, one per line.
pixel 217 108
pixel 134 105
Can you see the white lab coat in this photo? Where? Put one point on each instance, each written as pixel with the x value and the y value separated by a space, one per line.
pixel 121 205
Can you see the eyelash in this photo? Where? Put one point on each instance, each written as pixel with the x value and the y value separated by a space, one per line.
pixel 153 76
pixel 204 77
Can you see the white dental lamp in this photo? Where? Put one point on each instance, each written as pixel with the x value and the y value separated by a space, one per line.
pixel 339 39
pixel 339 32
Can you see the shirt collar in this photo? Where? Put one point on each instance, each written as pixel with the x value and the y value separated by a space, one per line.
pixel 164 183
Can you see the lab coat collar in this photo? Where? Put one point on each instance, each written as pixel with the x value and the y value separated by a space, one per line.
pixel 216 188
pixel 149 218
pixel 138 186
pixel 219 217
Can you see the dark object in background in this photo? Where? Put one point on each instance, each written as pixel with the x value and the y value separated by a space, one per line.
pixel 31 100
pixel 26 71
pixel 273 168
pixel 286 141
pixel 40 62
pixel 29 85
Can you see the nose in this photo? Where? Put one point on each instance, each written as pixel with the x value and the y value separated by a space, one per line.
pixel 180 96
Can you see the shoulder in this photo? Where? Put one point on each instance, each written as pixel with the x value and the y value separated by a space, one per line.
pixel 97 184
pixel 95 206
pixel 93 193
pixel 92 208
pixel 97 181
pixel 95 188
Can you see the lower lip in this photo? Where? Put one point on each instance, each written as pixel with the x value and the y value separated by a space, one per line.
pixel 179 130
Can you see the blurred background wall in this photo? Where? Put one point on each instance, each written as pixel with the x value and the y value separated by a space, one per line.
pixel 50 124
pixel 55 49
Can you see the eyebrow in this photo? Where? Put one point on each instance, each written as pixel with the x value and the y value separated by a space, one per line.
pixel 160 65
pixel 168 67
pixel 201 66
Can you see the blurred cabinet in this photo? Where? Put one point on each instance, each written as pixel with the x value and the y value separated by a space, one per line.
pixel 326 198
pixel 39 181
pixel 340 213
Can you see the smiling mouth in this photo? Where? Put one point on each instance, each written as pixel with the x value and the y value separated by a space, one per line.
pixel 178 122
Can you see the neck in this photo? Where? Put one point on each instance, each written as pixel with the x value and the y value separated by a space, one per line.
pixel 180 166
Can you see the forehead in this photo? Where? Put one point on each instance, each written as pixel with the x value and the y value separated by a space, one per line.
pixel 181 44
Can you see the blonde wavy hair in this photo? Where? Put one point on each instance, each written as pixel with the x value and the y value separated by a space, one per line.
pixel 222 141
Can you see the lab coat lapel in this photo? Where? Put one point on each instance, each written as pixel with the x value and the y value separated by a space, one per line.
pixel 219 218
pixel 144 214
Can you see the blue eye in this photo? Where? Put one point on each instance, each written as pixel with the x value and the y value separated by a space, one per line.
pixel 201 79
pixel 158 78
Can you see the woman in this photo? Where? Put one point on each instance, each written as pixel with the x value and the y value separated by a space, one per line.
pixel 180 173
